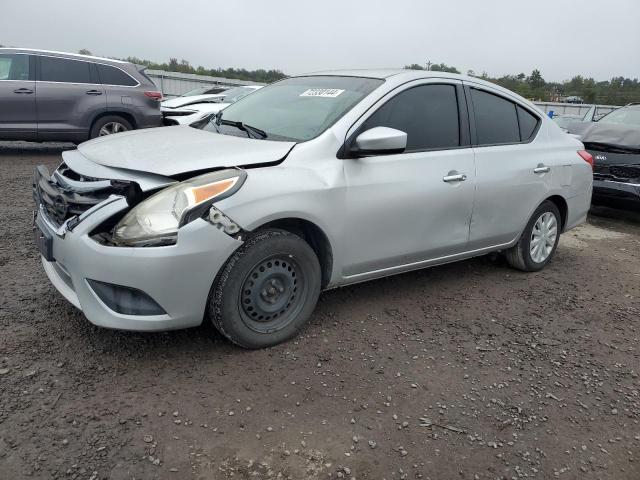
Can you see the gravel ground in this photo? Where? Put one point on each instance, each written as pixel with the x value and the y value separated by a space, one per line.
pixel 469 370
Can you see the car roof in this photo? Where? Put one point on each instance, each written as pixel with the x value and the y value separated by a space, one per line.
pixel 399 76
pixel 61 54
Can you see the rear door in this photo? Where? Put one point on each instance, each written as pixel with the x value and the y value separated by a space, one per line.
pixel 17 97
pixel 513 167
pixel 69 97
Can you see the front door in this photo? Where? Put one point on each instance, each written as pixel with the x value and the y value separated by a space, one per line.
pixel 413 206
pixel 17 98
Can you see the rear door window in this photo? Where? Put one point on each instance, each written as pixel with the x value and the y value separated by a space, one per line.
pixel 496 119
pixel 114 76
pixel 63 70
pixel 14 67
pixel 428 114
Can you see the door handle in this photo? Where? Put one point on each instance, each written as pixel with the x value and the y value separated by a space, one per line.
pixel 93 92
pixel 457 177
pixel 541 168
pixel 23 91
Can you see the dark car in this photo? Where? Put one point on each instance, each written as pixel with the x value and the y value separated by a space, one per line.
pixel 66 97
pixel 614 142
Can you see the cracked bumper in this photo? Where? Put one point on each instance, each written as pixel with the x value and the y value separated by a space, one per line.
pixel 177 277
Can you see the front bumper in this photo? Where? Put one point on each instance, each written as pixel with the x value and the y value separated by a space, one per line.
pixel 612 192
pixel 177 277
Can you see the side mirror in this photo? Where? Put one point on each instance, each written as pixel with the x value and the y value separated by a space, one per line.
pixel 379 141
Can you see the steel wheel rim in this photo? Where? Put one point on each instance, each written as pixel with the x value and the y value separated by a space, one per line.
pixel 272 294
pixel 112 127
pixel 543 237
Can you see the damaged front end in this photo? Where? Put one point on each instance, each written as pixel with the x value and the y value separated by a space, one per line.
pixel 152 215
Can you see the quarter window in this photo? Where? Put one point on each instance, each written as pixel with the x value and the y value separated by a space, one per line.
pixel 64 70
pixel 428 114
pixel 14 67
pixel 528 124
pixel 115 76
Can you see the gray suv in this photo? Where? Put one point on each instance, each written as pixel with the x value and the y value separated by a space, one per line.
pixel 66 97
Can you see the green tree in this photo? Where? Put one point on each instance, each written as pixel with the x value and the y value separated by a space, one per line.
pixel 84 51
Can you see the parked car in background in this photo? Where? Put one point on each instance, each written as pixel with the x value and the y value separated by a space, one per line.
pixel 66 97
pixel 186 110
pixel 574 99
pixel 310 183
pixel 204 91
pixel 565 121
pixel 614 142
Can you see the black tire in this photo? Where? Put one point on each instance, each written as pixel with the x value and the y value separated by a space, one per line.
pixel 109 119
pixel 267 290
pixel 519 256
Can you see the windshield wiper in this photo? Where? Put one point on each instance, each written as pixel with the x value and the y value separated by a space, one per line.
pixel 252 132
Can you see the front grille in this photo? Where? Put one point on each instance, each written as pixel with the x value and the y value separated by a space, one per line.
pixel 66 193
pixel 617 172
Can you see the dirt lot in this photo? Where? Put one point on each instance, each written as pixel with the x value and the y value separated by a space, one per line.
pixel 470 370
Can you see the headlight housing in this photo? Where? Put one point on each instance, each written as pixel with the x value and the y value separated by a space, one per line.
pixel 156 220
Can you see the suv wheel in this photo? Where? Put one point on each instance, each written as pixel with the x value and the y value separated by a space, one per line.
pixel 267 290
pixel 109 125
pixel 539 240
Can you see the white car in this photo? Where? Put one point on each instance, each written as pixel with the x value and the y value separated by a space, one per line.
pixel 188 109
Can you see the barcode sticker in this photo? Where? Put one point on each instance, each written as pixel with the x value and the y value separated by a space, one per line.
pixel 322 92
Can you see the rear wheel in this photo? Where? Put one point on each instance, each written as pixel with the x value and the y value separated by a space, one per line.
pixel 539 241
pixel 267 290
pixel 109 125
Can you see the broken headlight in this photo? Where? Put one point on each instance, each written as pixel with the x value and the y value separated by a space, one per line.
pixel 156 220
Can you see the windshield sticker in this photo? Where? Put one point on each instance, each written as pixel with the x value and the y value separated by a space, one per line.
pixel 322 92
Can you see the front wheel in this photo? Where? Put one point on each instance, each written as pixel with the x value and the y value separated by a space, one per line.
pixel 539 240
pixel 267 290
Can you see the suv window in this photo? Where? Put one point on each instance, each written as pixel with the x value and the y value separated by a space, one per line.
pixel 64 70
pixel 428 114
pixel 496 119
pixel 115 76
pixel 14 67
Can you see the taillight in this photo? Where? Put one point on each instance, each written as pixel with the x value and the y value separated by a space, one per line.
pixel 154 95
pixel 587 157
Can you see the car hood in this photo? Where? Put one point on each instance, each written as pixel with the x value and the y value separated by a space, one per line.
pixel 182 101
pixel 171 151
pixel 610 133
pixel 197 107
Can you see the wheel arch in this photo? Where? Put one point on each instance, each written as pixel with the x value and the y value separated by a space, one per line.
pixel 560 202
pixel 313 235
pixel 126 115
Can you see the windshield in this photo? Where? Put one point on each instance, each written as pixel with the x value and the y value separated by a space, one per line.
pixel 297 109
pixel 623 116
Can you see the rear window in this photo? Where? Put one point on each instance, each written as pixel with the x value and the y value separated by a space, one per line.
pixel 496 119
pixel 64 70
pixel 14 67
pixel 115 76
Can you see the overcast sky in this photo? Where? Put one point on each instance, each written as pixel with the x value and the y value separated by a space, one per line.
pixel 560 37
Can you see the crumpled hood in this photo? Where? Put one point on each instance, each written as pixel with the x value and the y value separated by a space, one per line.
pixel 611 133
pixel 171 151
pixel 182 101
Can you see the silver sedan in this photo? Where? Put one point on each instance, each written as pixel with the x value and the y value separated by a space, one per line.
pixel 310 183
